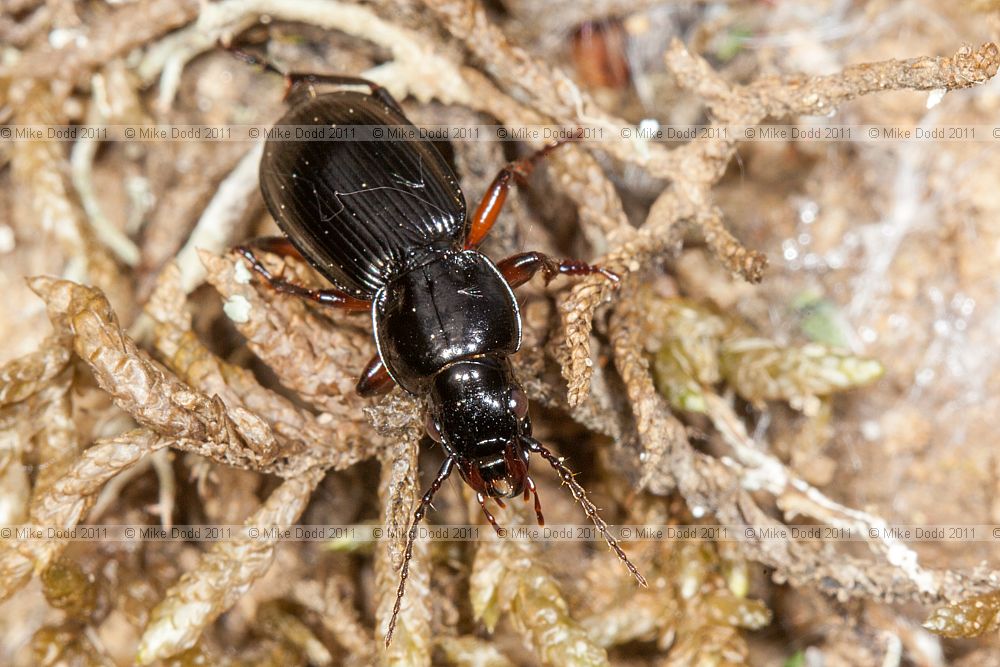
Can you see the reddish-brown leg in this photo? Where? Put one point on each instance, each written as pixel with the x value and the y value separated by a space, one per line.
pixel 328 297
pixel 489 208
pixel 538 503
pixel 276 245
pixel 519 269
pixel 375 379
pixel 489 516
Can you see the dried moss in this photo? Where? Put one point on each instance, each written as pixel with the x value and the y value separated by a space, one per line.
pixel 66 586
pixel 268 392
pixel 972 617
pixel 701 349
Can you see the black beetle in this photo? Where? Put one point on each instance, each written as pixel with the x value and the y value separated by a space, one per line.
pixel 385 222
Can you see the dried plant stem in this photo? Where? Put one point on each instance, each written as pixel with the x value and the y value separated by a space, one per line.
pixel 797 94
pixel 722 487
pixel 633 249
pixel 35 167
pixel 667 457
pixel 64 502
pixel 698 165
pixel 400 492
pixel 743 261
pixel 30 374
pixel 153 397
pixel 167 57
pixel 550 90
pixel 472 652
pixel 128 27
pixel 417 67
pixel 318 361
pixel 796 497
pixel 507 578
pixel 57 440
pixel 339 616
pixel 236 197
pixel 577 172
pixel 186 355
pixel 15 484
pixel 47 214
pixel 82 162
pixel 223 574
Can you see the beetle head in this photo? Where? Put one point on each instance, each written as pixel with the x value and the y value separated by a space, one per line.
pixel 479 414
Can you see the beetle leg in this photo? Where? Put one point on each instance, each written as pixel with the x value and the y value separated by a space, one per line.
pixel 519 269
pixel 328 297
pixel 489 208
pixel 276 245
pixel 295 78
pixel 375 379
pixel 292 79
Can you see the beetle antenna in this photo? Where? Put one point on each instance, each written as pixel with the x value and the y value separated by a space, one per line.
pixel 581 497
pixel 404 572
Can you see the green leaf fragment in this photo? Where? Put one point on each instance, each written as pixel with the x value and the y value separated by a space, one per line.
pixel 541 614
pixel 279 621
pixel 507 579
pixel 821 321
pixel 64 645
pixel 797 659
pixel 688 359
pixel 761 370
pixel 699 348
pixel 679 388
pixel 737 575
pixel 732 43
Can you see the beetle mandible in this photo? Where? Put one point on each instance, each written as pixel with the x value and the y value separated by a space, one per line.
pixel 385 222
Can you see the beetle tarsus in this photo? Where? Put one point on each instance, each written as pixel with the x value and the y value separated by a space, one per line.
pixel 255 263
pixel 519 269
pixel 328 297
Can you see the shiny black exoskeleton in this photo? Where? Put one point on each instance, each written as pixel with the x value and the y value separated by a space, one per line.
pixel 385 221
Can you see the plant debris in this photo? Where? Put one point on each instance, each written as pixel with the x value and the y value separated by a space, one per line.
pixel 804 333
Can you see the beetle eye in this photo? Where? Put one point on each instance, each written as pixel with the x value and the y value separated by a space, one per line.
pixel 432 428
pixel 518 403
